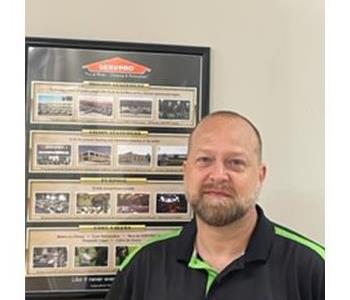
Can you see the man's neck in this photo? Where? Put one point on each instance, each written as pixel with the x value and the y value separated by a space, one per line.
pixel 219 246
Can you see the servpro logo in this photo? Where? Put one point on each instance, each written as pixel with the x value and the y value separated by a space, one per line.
pixel 117 65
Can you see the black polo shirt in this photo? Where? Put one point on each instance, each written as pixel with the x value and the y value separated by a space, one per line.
pixel 278 264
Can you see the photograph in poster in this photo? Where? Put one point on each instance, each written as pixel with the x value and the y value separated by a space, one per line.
pixel 174 109
pixel 95 106
pixel 171 156
pixel 53 155
pixel 91 256
pixel 91 155
pixel 93 203
pixel 50 257
pixel 52 203
pixel 171 203
pixel 134 155
pixel 135 108
pixel 55 105
pixel 121 252
pixel 133 203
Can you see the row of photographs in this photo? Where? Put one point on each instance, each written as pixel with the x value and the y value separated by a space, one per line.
pixel 67 251
pixel 53 151
pixel 106 104
pixel 73 200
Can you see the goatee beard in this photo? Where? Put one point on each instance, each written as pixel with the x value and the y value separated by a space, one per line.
pixel 225 211
pixel 219 214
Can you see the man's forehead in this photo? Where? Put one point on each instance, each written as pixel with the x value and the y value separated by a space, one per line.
pixel 229 129
pixel 231 150
pixel 224 125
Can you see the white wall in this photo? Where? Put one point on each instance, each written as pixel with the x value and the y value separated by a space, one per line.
pixel 267 62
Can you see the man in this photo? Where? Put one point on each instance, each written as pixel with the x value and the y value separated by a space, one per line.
pixel 231 250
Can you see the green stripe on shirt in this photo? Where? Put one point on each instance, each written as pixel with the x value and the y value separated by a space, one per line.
pixel 212 273
pixel 300 239
pixel 161 237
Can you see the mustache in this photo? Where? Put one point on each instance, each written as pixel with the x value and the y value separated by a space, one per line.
pixel 220 188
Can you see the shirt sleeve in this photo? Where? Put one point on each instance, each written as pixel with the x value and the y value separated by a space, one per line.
pixel 318 281
pixel 120 289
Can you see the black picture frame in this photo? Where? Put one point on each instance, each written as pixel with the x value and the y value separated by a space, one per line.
pixel 62 74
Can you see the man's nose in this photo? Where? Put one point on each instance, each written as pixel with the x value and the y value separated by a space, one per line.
pixel 219 172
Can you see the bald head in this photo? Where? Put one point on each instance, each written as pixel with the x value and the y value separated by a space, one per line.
pixel 229 115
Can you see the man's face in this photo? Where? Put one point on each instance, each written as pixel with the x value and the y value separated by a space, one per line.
pixel 223 174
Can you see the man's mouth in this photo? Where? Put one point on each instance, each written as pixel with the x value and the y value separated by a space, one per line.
pixel 215 192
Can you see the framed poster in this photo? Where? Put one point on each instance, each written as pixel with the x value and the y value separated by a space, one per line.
pixel 107 130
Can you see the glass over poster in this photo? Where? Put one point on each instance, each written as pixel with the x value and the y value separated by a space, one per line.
pixel 107 128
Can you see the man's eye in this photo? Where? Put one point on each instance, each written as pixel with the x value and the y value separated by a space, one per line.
pixel 236 164
pixel 203 160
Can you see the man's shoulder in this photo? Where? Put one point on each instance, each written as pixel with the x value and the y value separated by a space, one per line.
pixel 154 248
pixel 297 262
pixel 293 243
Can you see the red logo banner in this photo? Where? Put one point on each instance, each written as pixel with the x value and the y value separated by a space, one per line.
pixel 117 65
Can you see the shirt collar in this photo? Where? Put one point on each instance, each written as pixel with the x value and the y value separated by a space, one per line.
pixel 261 240
pixel 258 247
pixel 185 241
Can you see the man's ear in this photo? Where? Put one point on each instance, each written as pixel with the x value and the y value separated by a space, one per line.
pixel 262 172
pixel 184 165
